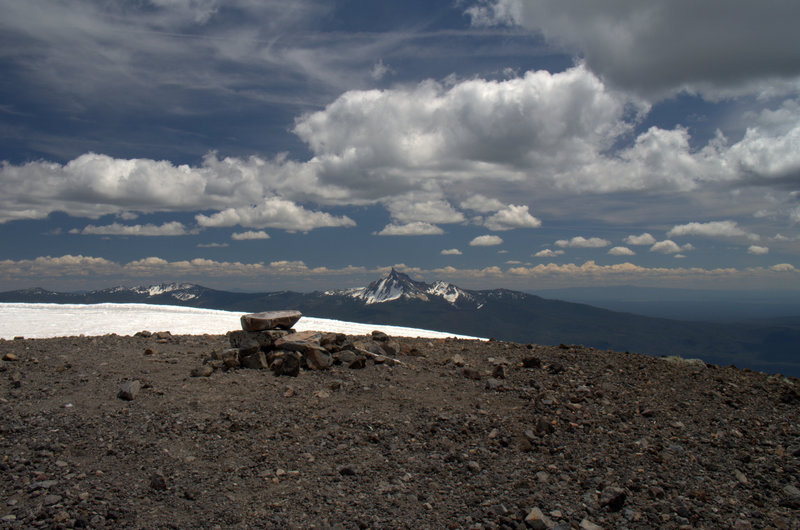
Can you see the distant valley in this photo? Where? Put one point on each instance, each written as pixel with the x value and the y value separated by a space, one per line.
pixel 770 345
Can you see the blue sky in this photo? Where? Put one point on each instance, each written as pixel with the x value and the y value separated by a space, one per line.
pixel 264 145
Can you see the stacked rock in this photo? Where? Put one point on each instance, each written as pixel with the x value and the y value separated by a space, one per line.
pixel 267 340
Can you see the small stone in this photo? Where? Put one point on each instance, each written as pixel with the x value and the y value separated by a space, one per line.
pixel 348 471
pixel 391 347
pixel 531 362
pixel 50 500
pixel 43 484
pixel 499 372
pixel 230 358
pixel 158 482
pixel 740 476
pixel 150 351
pixel 473 466
pixel 10 357
pixel 458 360
pixel 317 358
pixel 129 390
pixel 613 498
pixel 380 336
pixel 471 373
pixel 494 384
pixel 586 524
pixel 790 497
pixel 202 371
pixel 537 520
pixel 256 361
pixel 285 363
pixel 358 363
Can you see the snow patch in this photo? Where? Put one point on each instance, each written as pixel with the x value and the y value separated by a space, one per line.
pixel 41 321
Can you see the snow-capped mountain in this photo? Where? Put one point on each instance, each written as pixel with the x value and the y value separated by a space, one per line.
pixel 500 313
pixel 396 285
pixel 179 291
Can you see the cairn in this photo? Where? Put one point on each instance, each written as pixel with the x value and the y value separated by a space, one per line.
pixel 268 341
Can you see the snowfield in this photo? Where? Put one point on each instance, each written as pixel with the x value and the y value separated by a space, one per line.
pixel 41 321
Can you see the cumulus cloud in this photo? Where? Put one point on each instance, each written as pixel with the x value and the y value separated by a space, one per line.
pixel 582 242
pixel 418 150
pixel 670 247
pixel 408 210
pixel 479 203
pixel 621 251
pixel 757 250
pixel 273 212
pixel 249 235
pixel 451 252
pixel 512 217
pixel 416 228
pixel 711 229
pixel 486 241
pixel 640 240
pixel 548 253
pixel 718 50
pixel 116 229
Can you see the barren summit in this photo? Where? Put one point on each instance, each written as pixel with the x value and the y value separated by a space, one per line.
pixel 460 434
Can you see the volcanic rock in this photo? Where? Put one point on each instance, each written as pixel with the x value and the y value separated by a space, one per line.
pixel 129 390
pixel 270 320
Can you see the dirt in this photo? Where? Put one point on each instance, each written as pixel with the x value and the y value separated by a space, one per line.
pixel 570 437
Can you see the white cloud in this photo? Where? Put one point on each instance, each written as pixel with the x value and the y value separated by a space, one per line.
pixel 250 234
pixel 757 250
pixel 451 252
pixel 512 217
pixel 582 242
pixel 479 203
pixel 718 50
pixel 273 212
pixel 712 229
pixel 173 228
pixel 408 210
pixel 548 253
pixel 669 247
pixel 486 241
pixel 794 215
pixel 379 71
pixel 411 229
pixel 621 251
pixel 642 239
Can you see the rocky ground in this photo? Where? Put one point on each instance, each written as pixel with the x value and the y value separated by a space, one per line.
pixel 462 434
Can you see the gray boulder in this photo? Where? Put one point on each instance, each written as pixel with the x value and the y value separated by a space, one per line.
pixel 270 320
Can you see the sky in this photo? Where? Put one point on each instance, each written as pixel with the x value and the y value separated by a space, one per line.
pixel 260 145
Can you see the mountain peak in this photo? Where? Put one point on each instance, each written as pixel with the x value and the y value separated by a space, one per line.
pixel 396 285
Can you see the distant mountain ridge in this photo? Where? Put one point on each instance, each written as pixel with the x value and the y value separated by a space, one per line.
pixel 397 299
